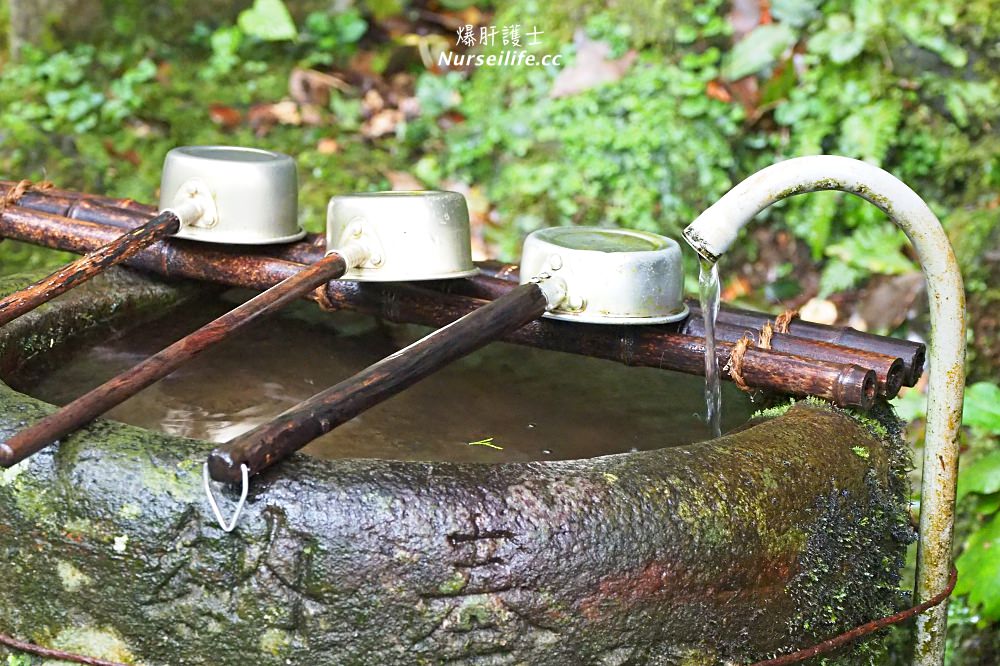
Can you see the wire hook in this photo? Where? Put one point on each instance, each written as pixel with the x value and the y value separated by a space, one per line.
pixel 227 527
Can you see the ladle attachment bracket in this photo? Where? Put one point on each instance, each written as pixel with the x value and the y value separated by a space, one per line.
pixel 194 205
pixel 231 525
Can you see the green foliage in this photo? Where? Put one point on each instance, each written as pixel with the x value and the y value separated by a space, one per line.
pixel 57 93
pixel 979 569
pixel 758 51
pixel 268 20
pixel 870 249
pixel 859 86
pixel 976 603
pixel 982 407
pixel 329 36
pixel 644 152
pixel 326 37
pixel 979 490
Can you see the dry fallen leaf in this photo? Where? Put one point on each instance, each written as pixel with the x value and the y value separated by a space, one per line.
pixel 736 287
pixel 130 156
pixel 765 12
pixel 401 180
pixel 382 123
pixel 307 86
pixel 480 211
pixel 286 112
pixel 163 71
pixel 716 90
pixel 858 322
pixel 373 102
pixel 225 116
pixel 262 117
pixel 311 115
pixel 744 16
pixel 819 310
pixel 591 68
pixel 409 107
pixel 886 302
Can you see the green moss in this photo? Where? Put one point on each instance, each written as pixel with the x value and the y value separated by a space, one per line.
pixel 275 642
pixel 177 482
pixel 10 474
pixel 102 643
pixel 846 535
pixel 72 578
pixel 773 412
pixel 455 584
pixel 130 511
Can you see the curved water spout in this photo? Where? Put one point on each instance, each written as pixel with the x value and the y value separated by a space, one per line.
pixel 714 231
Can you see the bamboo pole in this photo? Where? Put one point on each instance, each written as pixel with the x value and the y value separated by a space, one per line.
pixel 127 214
pixel 889 370
pixel 647 346
pixel 274 441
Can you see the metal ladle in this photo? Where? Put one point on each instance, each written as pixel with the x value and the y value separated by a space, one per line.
pixel 608 276
pixel 389 246
pixel 215 194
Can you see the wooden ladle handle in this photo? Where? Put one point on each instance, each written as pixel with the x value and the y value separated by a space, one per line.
pixel 271 442
pixel 79 271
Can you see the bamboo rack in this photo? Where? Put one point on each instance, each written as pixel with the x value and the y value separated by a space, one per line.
pixel 795 365
pixel 911 354
pixel 804 338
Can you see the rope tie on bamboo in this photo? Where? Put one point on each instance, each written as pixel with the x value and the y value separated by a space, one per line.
pixel 766 333
pixel 784 320
pixel 23 187
pixel 735 364
pixel 322 297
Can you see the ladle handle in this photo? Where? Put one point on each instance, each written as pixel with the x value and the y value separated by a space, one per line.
pixel 271 442
pixel 87 266
pixel 118 389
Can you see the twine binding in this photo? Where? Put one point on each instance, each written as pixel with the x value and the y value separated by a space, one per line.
pixel 735 364
pixel 23 187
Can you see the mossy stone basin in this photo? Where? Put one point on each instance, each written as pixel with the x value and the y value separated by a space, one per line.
pixel 784 531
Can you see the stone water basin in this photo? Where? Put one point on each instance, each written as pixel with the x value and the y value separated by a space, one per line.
pixel 520 507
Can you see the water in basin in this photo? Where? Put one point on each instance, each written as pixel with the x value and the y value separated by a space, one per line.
pixel 503 403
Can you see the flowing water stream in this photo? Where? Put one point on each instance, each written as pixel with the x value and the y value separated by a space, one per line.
pixel 709 290
pixel 503 403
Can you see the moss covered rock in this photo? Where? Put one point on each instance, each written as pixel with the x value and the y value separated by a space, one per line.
pixel 766 539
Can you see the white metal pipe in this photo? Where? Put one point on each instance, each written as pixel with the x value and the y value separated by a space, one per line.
pixel 712 233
